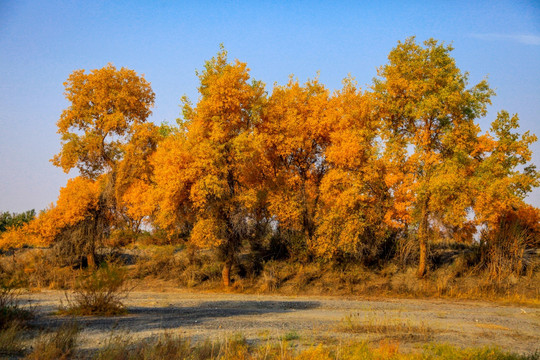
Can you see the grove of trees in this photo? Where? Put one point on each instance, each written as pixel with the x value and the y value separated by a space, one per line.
pixel 343 175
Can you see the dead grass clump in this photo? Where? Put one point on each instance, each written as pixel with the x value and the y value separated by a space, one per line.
pixel 275 274
pixel 237 348
pixel 158 259
pixel 99 293
pixel 388 327
pixel 166 346
pixel 169 346
pixel 306 275
pixel 203 270
pixel 10 309
pixel 59 345
pixel 11 335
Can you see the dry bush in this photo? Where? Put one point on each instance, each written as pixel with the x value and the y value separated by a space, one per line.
pixel 59 345
pixel 504 249
pixel 407 252
pixel 99 293
pixel 456 271
pixel 349 278
pixel 269 280
pixel 120 238
pixel 275 274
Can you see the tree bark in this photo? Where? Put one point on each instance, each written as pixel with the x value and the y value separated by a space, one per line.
pixel 423 231
pixel 91 259
pixel 226 274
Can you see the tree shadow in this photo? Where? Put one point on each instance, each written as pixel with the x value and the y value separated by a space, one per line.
pixel 207 315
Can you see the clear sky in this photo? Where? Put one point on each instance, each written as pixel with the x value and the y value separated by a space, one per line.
pixel 42 42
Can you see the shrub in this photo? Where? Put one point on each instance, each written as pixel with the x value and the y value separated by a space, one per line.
pixel 503 250
pixel 99 293
pixel 60 345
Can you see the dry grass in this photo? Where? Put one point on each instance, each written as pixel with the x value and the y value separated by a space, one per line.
pixel 62 345
pixel 11 336
pixel 394 328
pixel 59 345
pixel 10 309
pixel 12 318
pixel 38 269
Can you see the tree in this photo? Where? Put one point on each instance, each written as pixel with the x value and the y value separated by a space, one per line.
pixel 173 177
pixel 354 198
pixel 133 176
pixel 104 126
pixel 78 222
pixel 429 114
pixel 294 134
pixel 9 220
pixel 75 224
pixel 105 104
pixel 503 179
pixel 210 160
pixel 14 229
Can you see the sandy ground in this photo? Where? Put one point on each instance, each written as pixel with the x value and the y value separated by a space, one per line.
pixel 309 320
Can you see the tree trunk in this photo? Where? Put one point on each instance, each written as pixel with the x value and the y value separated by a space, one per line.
pixel 423 232
pixel 91 259
pixel 226 274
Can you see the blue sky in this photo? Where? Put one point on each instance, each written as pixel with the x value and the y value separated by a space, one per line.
pixel 42 42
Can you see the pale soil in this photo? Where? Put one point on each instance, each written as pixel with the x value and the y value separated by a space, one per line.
pixel 313 319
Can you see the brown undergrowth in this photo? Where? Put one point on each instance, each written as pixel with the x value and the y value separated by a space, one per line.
pixel 458 275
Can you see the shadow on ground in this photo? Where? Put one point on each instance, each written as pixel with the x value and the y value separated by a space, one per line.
pixel 210 314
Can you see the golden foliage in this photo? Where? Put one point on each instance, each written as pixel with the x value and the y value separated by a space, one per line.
pixel 105 103
pixel 340 172
pixel 76 200
pixel 203 173
pixel 428 116
pixel 354 204
pixel 294 133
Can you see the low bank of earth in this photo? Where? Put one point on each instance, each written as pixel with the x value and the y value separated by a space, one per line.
pixel 303 320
